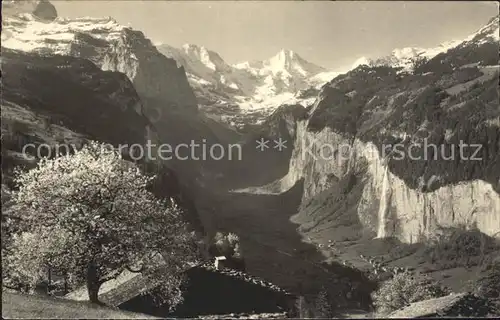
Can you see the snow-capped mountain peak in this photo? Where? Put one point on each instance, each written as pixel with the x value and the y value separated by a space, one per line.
pixel 256 86
pixel 489 32
pixel 406 57
pixel 208 58
pixel 189 47
pixel 284 57
pixel 58 36
pixel 107 44
pixel 286 53
pixel 286 63
pixel 281 61
pixel 361 61
pixel 283 72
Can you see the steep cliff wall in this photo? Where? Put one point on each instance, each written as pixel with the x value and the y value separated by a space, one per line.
pixel 81 97
pixel 387 206
pixel 366 151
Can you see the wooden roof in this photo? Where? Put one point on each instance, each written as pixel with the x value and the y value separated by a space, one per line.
pixel 128 285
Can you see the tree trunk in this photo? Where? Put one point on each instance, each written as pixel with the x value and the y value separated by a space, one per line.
pixel 65 284
pixel 93 283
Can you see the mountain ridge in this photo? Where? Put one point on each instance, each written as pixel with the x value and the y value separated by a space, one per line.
pixel 407 57
pixel 247 92
pixel 237 93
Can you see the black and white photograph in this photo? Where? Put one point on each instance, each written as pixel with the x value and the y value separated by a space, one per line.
pixel 250 159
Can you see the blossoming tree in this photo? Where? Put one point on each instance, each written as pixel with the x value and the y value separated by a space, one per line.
pixel 90 216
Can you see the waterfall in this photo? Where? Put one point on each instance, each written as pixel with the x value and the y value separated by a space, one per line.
pixel 383 206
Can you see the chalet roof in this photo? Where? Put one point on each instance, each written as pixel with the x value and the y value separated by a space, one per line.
pixel 127 290
pixel 463 304
pixel 242 276
pixel 129 285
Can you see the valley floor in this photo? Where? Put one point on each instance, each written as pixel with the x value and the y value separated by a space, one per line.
pixel 272 246
pixel 275 248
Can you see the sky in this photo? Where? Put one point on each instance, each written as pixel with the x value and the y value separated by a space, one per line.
pixel 330 34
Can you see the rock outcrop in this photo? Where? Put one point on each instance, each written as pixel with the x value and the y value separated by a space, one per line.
pixel 45 11
pixel 15 7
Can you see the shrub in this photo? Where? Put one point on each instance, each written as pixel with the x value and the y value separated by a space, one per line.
pixel 418 63
pixel 488 286
pixel 460 246
pixel 226 244
pixel 403 289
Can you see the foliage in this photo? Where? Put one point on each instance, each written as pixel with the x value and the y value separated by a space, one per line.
pixel 322 305
pixel 460 246
pixel 89 215
pixel 171 293
pixel 418 62
pixel 488 286
pixel 403 289
pixel 227 244
pixel 318 305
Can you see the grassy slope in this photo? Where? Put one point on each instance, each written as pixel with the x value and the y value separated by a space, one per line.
pixel 18 306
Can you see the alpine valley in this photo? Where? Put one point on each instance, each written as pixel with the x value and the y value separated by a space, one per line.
pixel 347 214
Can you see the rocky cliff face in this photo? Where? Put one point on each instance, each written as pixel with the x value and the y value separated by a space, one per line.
pixel 45 10
pixel 261 166
pixel 41 9
pixel 13 7
pixel 111 47
pixel 379 150
pixel 59 113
